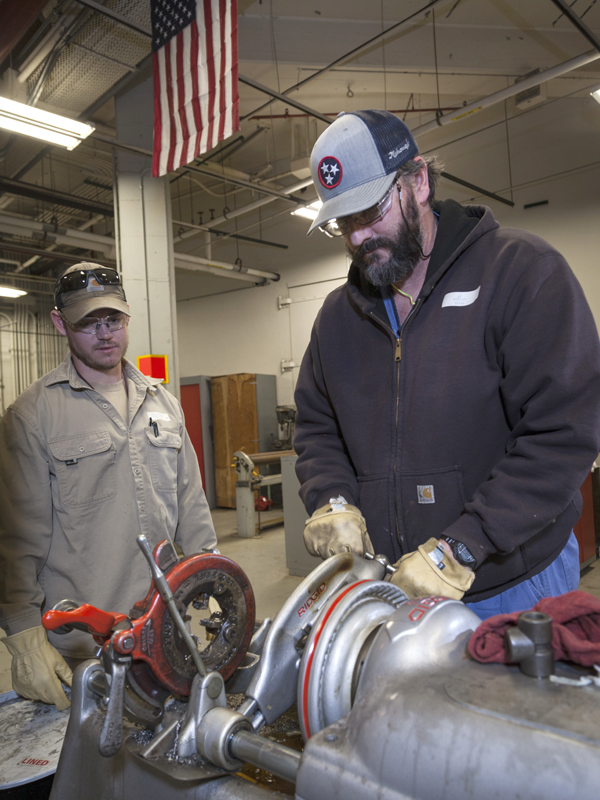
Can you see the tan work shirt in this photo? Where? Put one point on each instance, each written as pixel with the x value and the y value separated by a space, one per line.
pixel 78 484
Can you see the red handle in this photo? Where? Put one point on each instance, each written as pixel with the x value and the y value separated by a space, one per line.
pixel 92 619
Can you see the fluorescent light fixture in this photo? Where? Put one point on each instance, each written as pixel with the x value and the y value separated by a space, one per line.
pixel 595 92
pixel 10 291
pixel 30 121
pixel 310 211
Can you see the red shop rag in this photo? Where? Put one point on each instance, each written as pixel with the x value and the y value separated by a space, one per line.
pixel 575 630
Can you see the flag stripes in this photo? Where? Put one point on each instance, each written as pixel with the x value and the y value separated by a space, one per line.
pixel 195 80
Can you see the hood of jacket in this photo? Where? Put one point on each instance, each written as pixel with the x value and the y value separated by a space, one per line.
pixel 458 228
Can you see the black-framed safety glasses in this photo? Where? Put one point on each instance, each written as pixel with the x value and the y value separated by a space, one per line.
pixel 342 225
pixel 106 276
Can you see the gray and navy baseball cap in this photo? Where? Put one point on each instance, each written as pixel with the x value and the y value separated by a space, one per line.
pixel 86 287
pixel 354 161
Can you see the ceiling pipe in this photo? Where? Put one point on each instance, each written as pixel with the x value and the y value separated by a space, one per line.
pixel 244 210
pixel 510 91
pixel 116 17
pixel 225 270
pixel 57 235
pixel 32 62
pixel 17 226
pixel 405 23
pixel 23 189
pixel 87 224
pixel 54 256
pixel 277 96
pixel 219 172
pixel 578 23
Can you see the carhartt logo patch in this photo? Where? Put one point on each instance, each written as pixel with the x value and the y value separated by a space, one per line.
pixel 460 298
pixel 425 494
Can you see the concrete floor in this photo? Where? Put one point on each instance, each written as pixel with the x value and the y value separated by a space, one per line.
pixel 263 560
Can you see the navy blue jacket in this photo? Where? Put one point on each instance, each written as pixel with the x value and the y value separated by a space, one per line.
pixel 481 422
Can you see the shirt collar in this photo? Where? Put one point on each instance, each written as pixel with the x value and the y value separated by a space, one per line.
pixel 66 373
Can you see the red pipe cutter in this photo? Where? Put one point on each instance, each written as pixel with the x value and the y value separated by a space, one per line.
pixel 161 663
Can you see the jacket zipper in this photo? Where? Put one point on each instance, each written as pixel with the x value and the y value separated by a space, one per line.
pixel 397 359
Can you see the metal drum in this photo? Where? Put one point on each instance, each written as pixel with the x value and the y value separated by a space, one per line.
pixel 31 738
pixel 336 648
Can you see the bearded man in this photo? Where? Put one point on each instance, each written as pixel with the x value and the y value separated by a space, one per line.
pixel 448 402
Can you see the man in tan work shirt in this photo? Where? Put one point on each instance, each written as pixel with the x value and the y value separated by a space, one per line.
pixel 91 455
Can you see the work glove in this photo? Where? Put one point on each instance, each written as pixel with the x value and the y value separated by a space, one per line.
pixel 337 528
pixel 35 667
pixel 429 570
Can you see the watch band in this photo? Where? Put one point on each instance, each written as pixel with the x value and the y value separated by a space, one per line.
pixel 461 553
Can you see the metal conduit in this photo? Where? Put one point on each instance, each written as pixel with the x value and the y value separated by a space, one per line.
pixel 510 91
pixel 244 209
pixel 106 244
pixel 29 348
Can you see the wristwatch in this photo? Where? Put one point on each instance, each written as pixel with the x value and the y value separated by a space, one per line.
pixel 461 553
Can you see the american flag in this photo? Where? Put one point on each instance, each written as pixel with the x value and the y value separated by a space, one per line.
pixel 195 63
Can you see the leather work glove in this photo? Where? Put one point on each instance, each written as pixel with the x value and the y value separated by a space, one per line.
pixel 429 570
pixel 35 667
pixel 337 528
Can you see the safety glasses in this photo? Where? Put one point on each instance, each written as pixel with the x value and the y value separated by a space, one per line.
pixel 343 225
pixel 79 279
pixel 91 325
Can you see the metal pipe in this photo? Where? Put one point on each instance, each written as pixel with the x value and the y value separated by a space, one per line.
pixel 266 754
pixel 92 221
pixel 184 259
pixel 406 22
pixel 578 23
pixel 106 244
pixel 281 194
pixel 510 91
pixel 45 195
pixel 277 96
pixel 477 189
pixel 54 256
pixel 116 17
pixel 208 240
pixel 245 209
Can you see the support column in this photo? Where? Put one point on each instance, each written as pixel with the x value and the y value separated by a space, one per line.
pixel 144 236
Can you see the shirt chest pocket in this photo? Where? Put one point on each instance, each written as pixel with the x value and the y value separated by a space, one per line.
pixel 163 451
pixel 85 468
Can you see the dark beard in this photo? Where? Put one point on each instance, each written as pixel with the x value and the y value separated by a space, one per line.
pixel 404 251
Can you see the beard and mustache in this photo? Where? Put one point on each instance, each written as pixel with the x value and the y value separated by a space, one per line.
pixel 404 250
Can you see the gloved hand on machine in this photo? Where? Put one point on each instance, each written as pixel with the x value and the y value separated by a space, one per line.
pixel 434 569
pixel 38 668
pixel 335 528
pixel 438 567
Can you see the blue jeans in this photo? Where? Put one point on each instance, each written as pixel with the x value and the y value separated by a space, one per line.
pixel 559 577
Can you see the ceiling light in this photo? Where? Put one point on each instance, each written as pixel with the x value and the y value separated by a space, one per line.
pixel 30 121
pixel 310 211
pixel 595 92
pixel 10 291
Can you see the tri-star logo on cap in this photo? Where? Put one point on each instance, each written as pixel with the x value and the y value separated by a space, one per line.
pixel 330 172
